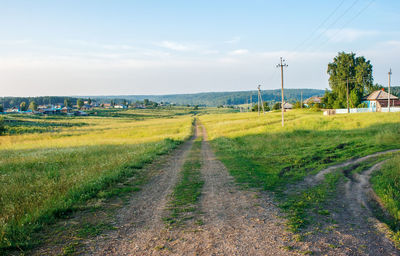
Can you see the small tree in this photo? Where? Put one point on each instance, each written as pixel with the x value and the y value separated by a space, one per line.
pixel 79 102
pixel 1 108
pixel 23 106
pixel 276 106
pixel 89 101
pixel 2 128
pixel 297 104
pixel 266 107
pixel 33 106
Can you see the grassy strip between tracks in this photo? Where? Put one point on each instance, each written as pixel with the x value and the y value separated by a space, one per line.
pixel 186 193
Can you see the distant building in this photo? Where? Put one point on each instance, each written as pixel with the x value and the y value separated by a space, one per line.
pixel 120 106
pixel 287 105
pixel 86 107
pixel 12 110
pixel 379 99
pixel 312 100
pixel 66 110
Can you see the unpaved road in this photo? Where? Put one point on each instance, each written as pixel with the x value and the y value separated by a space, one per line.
pixel 235 222
pixel 239 222
pixel 352 228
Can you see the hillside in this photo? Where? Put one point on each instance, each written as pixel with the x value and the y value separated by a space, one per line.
pixel 220 98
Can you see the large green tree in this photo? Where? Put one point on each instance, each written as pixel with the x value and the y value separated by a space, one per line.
pixel 23 106
pixel 357 71
pixel 33 106
pixel 79 102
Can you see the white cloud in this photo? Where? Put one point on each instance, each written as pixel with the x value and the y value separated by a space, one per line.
pixel 176 46
pixel 16 42
pixel 234 40
pixel 239 52
pixel 348 34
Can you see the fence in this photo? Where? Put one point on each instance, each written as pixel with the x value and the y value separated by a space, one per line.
pixel 365 110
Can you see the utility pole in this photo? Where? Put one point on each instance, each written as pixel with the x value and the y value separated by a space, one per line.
pixel 347 94
pixel 281 65
pixel 390 73
pixel 301 99
pixel 260 99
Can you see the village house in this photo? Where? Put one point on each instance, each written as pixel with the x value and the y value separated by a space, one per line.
pixel 120 106
pixel 313 100
pixel 66 110
pixel 287 106
pixel 12 110
pixel 379 99
pixel 86 107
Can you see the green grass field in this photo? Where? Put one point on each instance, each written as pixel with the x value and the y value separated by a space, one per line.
pixel 260 153
pixel 51 165
pixel 45 175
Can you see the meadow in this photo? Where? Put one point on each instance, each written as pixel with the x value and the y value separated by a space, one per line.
pixel 260 153
pixel 45 175
pixel 50 166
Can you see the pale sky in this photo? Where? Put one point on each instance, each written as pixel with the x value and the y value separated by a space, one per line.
pixel 102 47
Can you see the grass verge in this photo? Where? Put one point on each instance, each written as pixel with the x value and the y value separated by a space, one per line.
pixel 386 184
pixel 299 205
pixel 66 193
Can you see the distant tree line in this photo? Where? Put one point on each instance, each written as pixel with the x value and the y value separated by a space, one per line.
pixel 219 98
pixel 8 102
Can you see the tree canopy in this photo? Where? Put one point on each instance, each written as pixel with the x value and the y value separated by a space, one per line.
pixel 357 72
pixel 79 102
pixel 23 106
pixel 33 106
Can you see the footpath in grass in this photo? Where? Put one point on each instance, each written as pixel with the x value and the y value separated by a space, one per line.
pixel 186 193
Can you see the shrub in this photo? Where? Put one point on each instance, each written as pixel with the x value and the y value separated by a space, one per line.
pixel 2 128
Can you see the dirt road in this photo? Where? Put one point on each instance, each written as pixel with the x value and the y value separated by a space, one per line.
pixel 351 228
pixel 234 222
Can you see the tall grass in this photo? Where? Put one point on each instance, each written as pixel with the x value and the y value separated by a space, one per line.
pixel 259 152
pixel 386 184
pixel 43 176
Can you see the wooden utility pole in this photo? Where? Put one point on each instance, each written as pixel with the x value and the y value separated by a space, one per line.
pixel 390 73
pixel 347 94
pixel 281 65
pixel 301 99
pixel 260 100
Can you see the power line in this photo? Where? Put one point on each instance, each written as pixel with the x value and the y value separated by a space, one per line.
pixel 347 23
pixel 333 23
pixel 319 26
